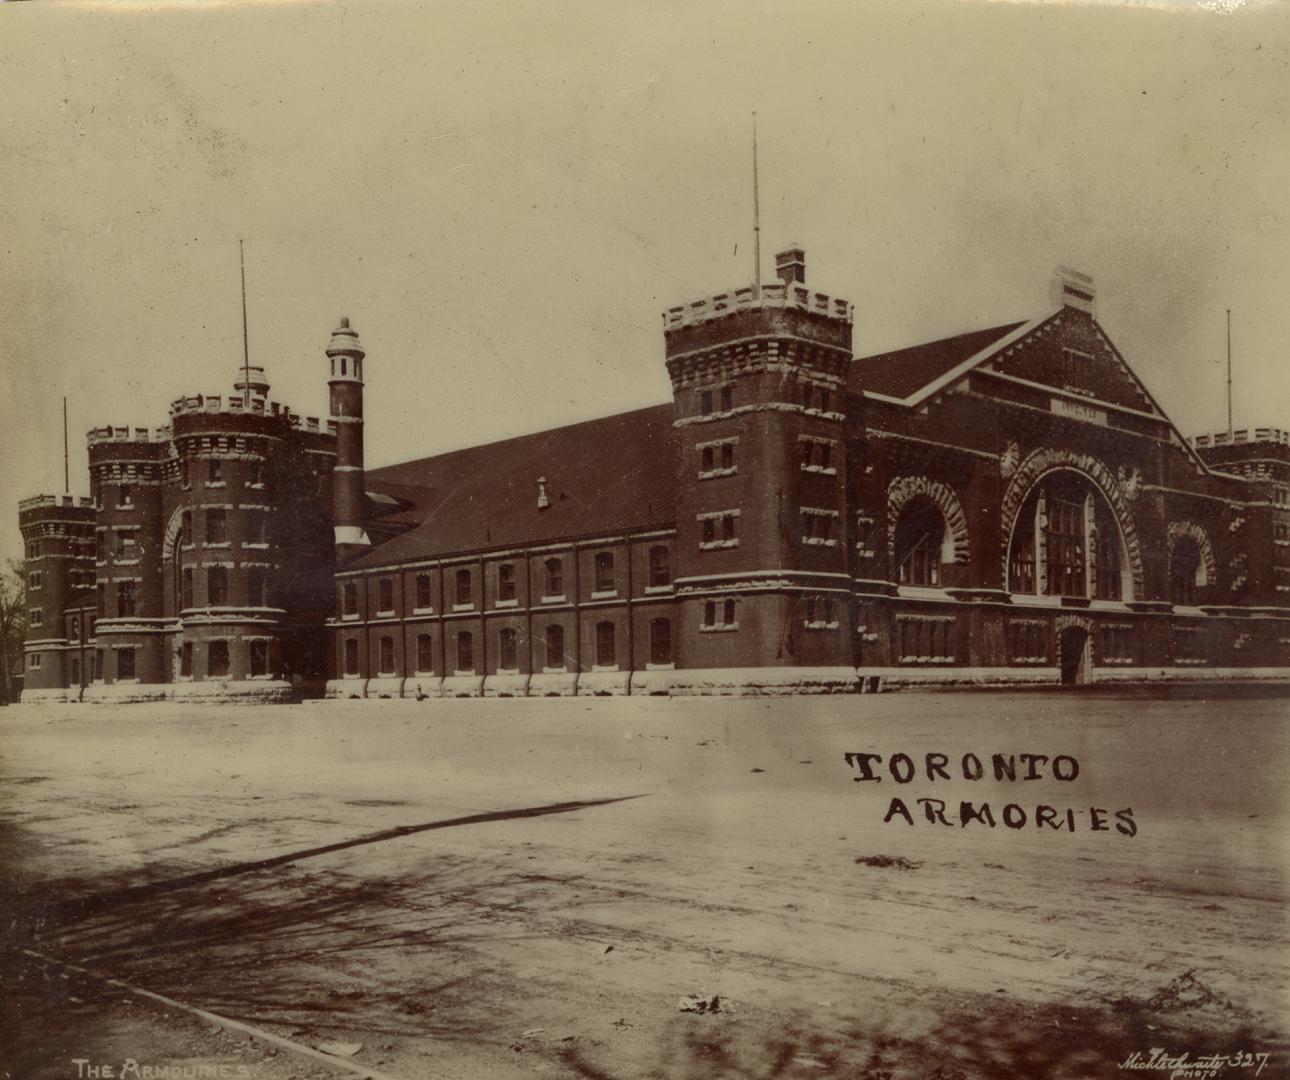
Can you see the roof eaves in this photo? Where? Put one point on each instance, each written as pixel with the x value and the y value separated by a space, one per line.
pixel 963 367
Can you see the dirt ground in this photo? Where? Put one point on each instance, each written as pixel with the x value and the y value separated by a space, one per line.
pixel 531 888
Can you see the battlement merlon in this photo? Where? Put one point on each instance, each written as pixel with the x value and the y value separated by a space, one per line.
pixel 95 436
pixel 1242 437
pixel 236 405
pixel 36 502
pixel 778 296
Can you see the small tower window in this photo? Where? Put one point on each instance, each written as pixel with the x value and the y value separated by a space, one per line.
pixel 214 471
pixel 727 398
pixel 184 479
pixel 217 658
pixel 217 585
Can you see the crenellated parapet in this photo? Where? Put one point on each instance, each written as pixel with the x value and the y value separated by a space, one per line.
pixel 36 502
pixel 1242 437
pixel 783 296
pixel 234 405
pixel 96 436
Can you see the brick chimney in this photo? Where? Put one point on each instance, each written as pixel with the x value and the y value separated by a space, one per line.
pixel 790 265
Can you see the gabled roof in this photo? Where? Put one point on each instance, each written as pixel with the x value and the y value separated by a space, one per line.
pixel 903 373
pixel 603 476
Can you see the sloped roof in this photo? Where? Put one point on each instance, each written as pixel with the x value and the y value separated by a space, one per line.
pixel 902 373
pixel 602 476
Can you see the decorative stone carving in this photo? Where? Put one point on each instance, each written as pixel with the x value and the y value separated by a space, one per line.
pixel 1041 462
pixel 904 489
pixel 1009 460
pixel 1130 481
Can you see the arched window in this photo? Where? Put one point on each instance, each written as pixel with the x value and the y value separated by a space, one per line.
pixel 425 653
pixel 386 657
pixel 1185 571
pixel 463 587
pixel 660 641
pixel 604 571
pixel 349 599
pixel 605 654
pixel 1066 541
pixel 660 566
pixel 554 577
pixel 385 594
pixel 351 656
pixel 506 581
pixel 555 646
pixel 507 649
pixel 919 539
pixel 465 652
pixel 423 591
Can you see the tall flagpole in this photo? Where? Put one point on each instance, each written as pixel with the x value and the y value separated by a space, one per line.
pixel 246 351
pixel 67 476
pixel 756 219
pixel 1229 375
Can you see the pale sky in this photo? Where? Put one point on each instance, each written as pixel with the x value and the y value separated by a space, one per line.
pixel 503 197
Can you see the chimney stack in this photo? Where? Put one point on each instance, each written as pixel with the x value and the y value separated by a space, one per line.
pixel 790 265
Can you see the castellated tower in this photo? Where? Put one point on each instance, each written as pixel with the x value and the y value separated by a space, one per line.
pixel 345 356
pixel 58 576
pixel 759 386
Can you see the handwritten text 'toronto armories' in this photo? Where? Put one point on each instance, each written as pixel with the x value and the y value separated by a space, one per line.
pixel 903 769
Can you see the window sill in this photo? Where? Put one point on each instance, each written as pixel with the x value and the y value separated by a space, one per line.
pixel 718 628
pixel 463 607
pixel 661 667
pixel 714 545
pixel 655 590
pixel 927 660
pixel 215 484
pixel 256 545
pixel 821 625
pixel 422 675
pixel 423 611
pixel 125 562
pixel 507 671
pixel 350 617
pixel 820 469
pixel 713 474
pixel 506 603
pixel 218 544
pixel 555 670
pixel 604 594
pixel 819 541
pixel 559 599
pixel 604 667
pixel 386 613
pixel 864 552
pixel 463 674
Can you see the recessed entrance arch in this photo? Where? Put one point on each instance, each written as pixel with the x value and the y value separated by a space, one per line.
pixel 1073 655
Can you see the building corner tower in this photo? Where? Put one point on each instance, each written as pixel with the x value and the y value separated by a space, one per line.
pixel 346 385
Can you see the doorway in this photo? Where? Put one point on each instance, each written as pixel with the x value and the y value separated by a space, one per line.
pixel 1072 650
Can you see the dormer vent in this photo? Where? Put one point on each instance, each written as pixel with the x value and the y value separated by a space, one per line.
pixel 543 501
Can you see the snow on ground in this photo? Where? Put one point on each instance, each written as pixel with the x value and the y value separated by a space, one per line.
pixel 510 888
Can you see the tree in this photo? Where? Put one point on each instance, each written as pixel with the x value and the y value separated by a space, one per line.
pixel 13 625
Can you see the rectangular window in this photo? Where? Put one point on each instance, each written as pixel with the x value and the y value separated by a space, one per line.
pixel 217 658
pixel 349 598
pixel 124 599
pixel 507 649
pixel 660 566
pixel 256 582
pixel 660 641
pixel 925 640
pixel 506 582
pixel 709 530
pixel 123 498
pixel 186 528
pixel 186 590
pixel 386 656
pixel 604 571
pixel 214 471
pixel 423 591
pixel 216 525
pixel 425 653
pixel 385 594
pixel 186 659
pixel 554 577
pixel 727 398
pixel 605 655
pixel 727 526
pixel 707 459
pixel 100 600
pixel 705 402
pixel 33 661
pixel 35 617
pixel 463 593
pixel 255 474
pixel 185 479
pixel 216 585
pixel 125 664
pixel 351 656
pixel 727 455
pixel 465 651
pixel 33 579
pixel 100 546
pixel 259 657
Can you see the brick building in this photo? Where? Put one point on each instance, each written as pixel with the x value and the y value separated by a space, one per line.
pixel 1006 506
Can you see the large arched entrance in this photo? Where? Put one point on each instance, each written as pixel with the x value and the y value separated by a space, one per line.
pixel 1067 540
